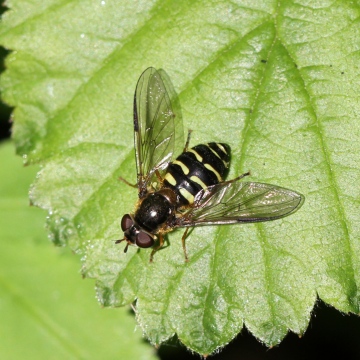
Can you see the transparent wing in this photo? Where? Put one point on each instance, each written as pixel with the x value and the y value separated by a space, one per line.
pixel 233 202
pixel 154 128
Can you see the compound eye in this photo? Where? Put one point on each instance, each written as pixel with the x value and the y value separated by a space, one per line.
pixel 144 240
pixel 126 222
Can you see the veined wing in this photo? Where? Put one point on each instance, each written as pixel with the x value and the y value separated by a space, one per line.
pixel 154 129
pixel 234 202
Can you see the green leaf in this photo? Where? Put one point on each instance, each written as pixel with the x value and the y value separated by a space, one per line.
pixel 276 80
pixel 46 310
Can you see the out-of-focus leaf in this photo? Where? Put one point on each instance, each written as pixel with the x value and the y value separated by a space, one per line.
pixel 47 311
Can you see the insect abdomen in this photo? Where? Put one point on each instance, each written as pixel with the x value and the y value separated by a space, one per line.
pixel 196 169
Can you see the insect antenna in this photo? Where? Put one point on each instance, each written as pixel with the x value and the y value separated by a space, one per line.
pixel 121 240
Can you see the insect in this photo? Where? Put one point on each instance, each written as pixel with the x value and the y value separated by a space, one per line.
pixel 189 191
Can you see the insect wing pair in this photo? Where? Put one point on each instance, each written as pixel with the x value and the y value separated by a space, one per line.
pixel 215 202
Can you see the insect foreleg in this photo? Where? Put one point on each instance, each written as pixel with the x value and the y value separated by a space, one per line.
pixel 127 183
pixel 155 249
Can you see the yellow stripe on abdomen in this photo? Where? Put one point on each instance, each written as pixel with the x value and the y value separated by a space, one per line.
pixel 184 168
pixel 197 180
pixel 170 179
pixel 222 148
pixel 187 195
pixel 209 167
pixel 198 157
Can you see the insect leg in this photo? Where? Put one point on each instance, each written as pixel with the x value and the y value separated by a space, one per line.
pixel 157 173
pixel 184 245
pixel 127 183
pixel 187 140
pixel 238 178
pixel 155 249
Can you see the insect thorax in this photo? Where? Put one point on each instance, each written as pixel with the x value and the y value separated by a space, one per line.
pixel 196 169
pixel 155 210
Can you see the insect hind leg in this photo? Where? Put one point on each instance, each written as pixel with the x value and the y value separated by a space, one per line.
pixel 239 177
pixel 187 140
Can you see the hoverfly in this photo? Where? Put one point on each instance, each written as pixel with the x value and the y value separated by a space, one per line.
pixel 189 191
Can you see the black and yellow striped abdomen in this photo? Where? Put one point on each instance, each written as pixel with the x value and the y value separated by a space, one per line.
pixel 196 169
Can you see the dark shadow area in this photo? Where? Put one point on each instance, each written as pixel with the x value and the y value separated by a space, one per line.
pixel 331 335
pixel 5 111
